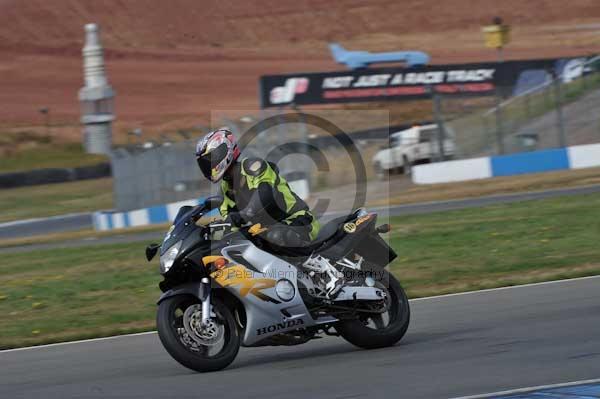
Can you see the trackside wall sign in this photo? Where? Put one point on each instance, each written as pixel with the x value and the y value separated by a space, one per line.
pixel 376 84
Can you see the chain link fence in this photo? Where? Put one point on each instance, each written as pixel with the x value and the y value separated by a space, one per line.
pixel 151 173
pixel 147 177
pixel 560 111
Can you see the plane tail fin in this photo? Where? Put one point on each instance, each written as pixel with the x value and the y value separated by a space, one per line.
pixel 337 51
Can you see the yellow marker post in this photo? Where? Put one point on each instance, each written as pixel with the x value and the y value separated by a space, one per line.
pixel 496 36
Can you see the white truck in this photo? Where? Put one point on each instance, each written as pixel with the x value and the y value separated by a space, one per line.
pixel 416 145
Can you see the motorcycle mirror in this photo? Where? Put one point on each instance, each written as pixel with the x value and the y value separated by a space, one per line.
pixel 151 251
pixel 384 228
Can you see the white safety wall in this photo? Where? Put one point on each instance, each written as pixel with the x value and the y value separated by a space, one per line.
pixel 452 171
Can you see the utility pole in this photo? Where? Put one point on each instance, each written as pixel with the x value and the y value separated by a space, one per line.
pixel 499 124
pixel 562 137
pixel 497 36
pixel 439 120
pixel 46 112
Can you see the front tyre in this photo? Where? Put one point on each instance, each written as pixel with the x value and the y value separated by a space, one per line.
pixel 181 335
pixel 370 331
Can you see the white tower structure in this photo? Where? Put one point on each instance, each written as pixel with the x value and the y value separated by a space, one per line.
pixel 96 97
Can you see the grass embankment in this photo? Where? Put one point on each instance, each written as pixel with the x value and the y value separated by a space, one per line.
pixel 497 246
pixel 495 186
pixel 26 150
pixel 64 156
pixel 55 295
pixel 91 195
pixel 29 150
pixel 55 199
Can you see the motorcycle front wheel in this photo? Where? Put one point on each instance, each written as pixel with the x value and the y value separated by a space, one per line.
pixel 371 331
pixel 179 329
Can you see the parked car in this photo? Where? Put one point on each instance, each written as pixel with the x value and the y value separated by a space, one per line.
pixel 409 147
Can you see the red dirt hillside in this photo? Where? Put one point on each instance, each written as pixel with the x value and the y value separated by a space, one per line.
pixel 171 62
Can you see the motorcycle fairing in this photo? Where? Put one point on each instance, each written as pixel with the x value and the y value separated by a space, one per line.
pixel 254 285
pixel 360 237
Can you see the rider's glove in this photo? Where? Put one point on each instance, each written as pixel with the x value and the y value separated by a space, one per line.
pixel 235 219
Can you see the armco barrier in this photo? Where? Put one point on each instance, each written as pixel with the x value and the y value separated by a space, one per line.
pixel 576 157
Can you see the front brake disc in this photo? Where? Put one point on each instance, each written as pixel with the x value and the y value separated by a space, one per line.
pixel 209 334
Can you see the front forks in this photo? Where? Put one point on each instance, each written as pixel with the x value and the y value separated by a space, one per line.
pixel 205 298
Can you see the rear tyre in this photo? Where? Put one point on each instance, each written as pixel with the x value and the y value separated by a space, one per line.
pixel 371 331
pixel 184 348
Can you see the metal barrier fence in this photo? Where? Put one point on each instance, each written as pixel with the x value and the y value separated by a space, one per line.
pixel 159 175
pixel 167 172
pixel 559 112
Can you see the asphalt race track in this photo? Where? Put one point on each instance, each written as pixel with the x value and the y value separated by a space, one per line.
pixel 41 226
pixel 457 345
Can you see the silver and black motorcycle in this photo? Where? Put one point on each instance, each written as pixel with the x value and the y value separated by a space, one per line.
pixel 223 289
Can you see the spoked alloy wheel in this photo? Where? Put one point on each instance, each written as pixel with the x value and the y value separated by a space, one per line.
pixel 380 321
pixel 379 330
pixel 199 347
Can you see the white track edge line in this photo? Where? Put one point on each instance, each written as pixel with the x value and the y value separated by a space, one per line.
pixel 43 219
pixel 529 389
pixel 411 300
pixel 81 341
pixel 505 288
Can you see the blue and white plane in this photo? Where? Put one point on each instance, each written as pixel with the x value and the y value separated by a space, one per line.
pixel 362 59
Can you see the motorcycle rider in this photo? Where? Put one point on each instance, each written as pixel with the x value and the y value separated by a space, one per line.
pixel 254 192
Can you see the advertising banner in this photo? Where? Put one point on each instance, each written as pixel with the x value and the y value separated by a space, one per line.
pixel 382 84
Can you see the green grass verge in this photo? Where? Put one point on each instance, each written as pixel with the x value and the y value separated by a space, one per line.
pixel 38 153
pixel 499 245
pixel 55 199
pixel 56 295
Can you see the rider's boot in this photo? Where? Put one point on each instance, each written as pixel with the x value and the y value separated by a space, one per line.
pixel 325 275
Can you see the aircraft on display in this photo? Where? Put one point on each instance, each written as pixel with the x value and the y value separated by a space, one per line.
pixel 362 59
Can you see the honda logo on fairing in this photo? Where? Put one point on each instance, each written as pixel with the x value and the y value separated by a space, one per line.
pixel 287 92
pixel 279 326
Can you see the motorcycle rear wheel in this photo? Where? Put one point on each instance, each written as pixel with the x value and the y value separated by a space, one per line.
pixel 169 322
pixel 358 332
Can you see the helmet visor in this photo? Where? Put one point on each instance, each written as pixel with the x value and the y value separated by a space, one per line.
pixel 208 162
